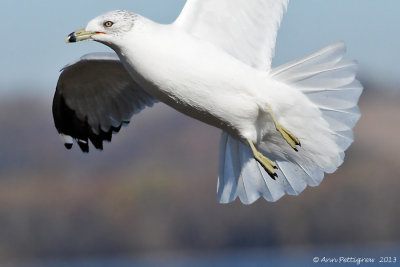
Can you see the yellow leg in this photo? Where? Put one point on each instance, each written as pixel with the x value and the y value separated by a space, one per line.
pixel 267 164
pixel 292 140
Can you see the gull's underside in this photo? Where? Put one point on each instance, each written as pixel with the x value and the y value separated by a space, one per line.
pixel 283 128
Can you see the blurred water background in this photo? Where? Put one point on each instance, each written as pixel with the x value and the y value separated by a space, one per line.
pixel 150 197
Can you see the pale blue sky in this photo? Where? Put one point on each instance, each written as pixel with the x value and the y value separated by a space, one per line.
pixel 32 47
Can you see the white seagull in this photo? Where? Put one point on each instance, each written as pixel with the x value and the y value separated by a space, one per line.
pixel 282 128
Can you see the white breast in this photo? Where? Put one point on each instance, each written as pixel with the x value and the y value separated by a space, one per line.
pixel 194 76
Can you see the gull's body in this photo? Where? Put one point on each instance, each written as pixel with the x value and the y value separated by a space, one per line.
pixel 211 73
pixel 230 99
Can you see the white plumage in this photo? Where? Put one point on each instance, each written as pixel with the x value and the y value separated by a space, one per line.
pixel 245 29
pixel 213 64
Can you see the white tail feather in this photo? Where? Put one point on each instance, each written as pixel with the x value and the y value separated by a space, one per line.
pixel 329 82
pixel 240 175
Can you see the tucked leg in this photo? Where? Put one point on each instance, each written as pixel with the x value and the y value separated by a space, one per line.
pixel 267 164
pixel 292 140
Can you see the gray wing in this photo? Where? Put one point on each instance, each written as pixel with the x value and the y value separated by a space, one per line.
pixel 95 96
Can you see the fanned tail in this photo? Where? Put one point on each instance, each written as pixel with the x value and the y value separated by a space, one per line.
pixel 240 175
pixel 329 83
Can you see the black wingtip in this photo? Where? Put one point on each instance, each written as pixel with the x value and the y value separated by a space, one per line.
pixel 68 146
pixel 84 147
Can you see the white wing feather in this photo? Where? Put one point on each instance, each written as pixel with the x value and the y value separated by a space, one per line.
pixel 246 29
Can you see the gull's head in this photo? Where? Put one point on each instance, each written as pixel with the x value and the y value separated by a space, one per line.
pixel 105 28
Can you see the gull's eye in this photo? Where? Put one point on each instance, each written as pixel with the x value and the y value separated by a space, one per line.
pixel 108 24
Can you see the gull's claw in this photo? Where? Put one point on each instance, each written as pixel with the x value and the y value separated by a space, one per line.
pixel 268 165
pixel 290 138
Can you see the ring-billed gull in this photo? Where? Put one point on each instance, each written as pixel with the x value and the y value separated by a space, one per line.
pixel 283 128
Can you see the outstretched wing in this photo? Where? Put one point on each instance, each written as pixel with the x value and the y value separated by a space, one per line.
pixel 246 29
pixel 95 96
